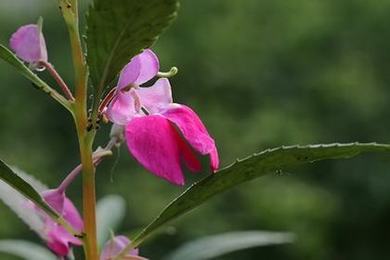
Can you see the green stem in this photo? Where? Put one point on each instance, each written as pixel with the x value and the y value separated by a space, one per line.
pixel 85 135
pixel 89 199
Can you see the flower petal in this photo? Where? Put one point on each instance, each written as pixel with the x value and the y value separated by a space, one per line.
pixel 29 44
pixel 154 143
pixel 149 66
pixel 72 215
pixel 156 97
pixel 57 243
pixel 55 199
pixel 59 240
pixel 189 157
pixel 129 73
pixel 139 70
pixel 114 246
pixel 122 108
pixel 214 160
pixel 193 131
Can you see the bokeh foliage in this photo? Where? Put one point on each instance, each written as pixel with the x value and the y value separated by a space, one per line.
pixel 260 74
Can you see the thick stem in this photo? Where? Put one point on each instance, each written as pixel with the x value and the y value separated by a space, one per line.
pixel 85 135
pixel 89 200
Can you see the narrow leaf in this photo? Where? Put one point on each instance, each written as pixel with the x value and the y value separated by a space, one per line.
pixel 110 213
pixel 214 246
pixel 255 166
pixel 8 176
pixel 120 29
pixel 26 250
pixel 21 206
pixel 38 185
pixel 19 184
pixel 9 57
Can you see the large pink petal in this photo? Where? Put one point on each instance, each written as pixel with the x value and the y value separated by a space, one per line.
pixel 193 131
pixel 139 70
pixel 154 142
pixel 156 97
pixel 122 108
pixel 29 44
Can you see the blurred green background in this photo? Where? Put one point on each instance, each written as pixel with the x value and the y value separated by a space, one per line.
pixel 260 74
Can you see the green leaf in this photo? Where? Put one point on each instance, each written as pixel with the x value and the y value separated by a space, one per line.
pixel 110 213
pixel 257 165
pixel 26 250
pixel 24 188
pixel 120 29
pixel 9 57
pixel 214 246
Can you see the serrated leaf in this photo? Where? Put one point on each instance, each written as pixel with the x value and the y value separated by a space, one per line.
pixel 118 30
pixel 26 250
pixel 214 246
pixel 25 189
pixel 110 213
pixel 257 165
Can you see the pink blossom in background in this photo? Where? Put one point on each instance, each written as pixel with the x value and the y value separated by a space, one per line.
pixel 58 239
pixel 167 135
pixel 114 246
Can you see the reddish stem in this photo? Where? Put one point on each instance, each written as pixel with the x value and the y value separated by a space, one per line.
pixel 75 172
pixel 50 68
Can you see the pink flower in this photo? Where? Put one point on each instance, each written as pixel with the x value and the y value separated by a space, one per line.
pixel 29 44
pixel 114 246
pixel 167 135
pixel 58 239
pixel 125 104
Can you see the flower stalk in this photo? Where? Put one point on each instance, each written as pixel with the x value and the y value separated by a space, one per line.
pixel 97 158
pixel 65 89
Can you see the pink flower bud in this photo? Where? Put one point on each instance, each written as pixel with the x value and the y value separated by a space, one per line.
pixel 29 44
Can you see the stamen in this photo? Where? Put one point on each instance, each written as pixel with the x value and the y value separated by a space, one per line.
pixel 137 101
pixel 106 100
pixel 128 87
